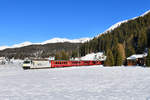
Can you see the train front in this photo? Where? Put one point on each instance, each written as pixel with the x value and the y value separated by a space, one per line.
pixel 26 64
pixel 36 64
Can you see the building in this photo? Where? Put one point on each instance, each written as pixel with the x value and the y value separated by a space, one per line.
pixel 2 60
pixel 136 60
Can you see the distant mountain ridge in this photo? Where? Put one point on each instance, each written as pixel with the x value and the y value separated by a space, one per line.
pixel 53 40
pixel 36 51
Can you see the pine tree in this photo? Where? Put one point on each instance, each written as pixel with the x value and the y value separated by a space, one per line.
pixel 57 56
pixel 110 59
pixel 74 54
pixel 148 59
pixel 64 56
pixel 119 59
pixel 117 56
pixel 148 37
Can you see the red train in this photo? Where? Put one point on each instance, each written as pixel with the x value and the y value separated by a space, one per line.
pixel 44 63
pixel 56 64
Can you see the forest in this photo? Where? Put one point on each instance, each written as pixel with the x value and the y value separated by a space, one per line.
pixel 131 37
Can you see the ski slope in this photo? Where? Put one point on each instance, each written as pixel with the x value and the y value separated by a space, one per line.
pixel 74 83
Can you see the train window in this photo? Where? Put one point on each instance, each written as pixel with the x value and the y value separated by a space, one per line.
pixel 85 62
pixel 60 62
pixel 94 62
pixel 74 62
pixel 57 62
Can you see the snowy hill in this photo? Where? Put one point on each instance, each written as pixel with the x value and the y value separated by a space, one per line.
pixel 21 45
pixel 54 40
pixel 4 47
pixel 61 40
pixel 93 57
pixel 119 23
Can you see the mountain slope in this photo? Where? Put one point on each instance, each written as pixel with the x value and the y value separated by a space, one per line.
pixel 133 35
pixel 121 22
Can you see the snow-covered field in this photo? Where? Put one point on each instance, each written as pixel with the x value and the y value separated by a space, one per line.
pixel 74 83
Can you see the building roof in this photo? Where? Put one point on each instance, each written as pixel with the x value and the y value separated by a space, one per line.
pixel 136 56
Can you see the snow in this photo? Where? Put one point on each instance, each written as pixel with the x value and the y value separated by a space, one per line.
pixel 74 83
pixel 21 44
pixel 3 47
pixel 136 56
pixel 61 40
pixel 94 56
pixel 115 26
pixel 54 40
pixel 145 13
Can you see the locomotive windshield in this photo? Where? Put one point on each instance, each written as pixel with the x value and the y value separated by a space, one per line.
pixel 26 62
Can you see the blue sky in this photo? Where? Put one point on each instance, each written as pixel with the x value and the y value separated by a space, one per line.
pixel 40 20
